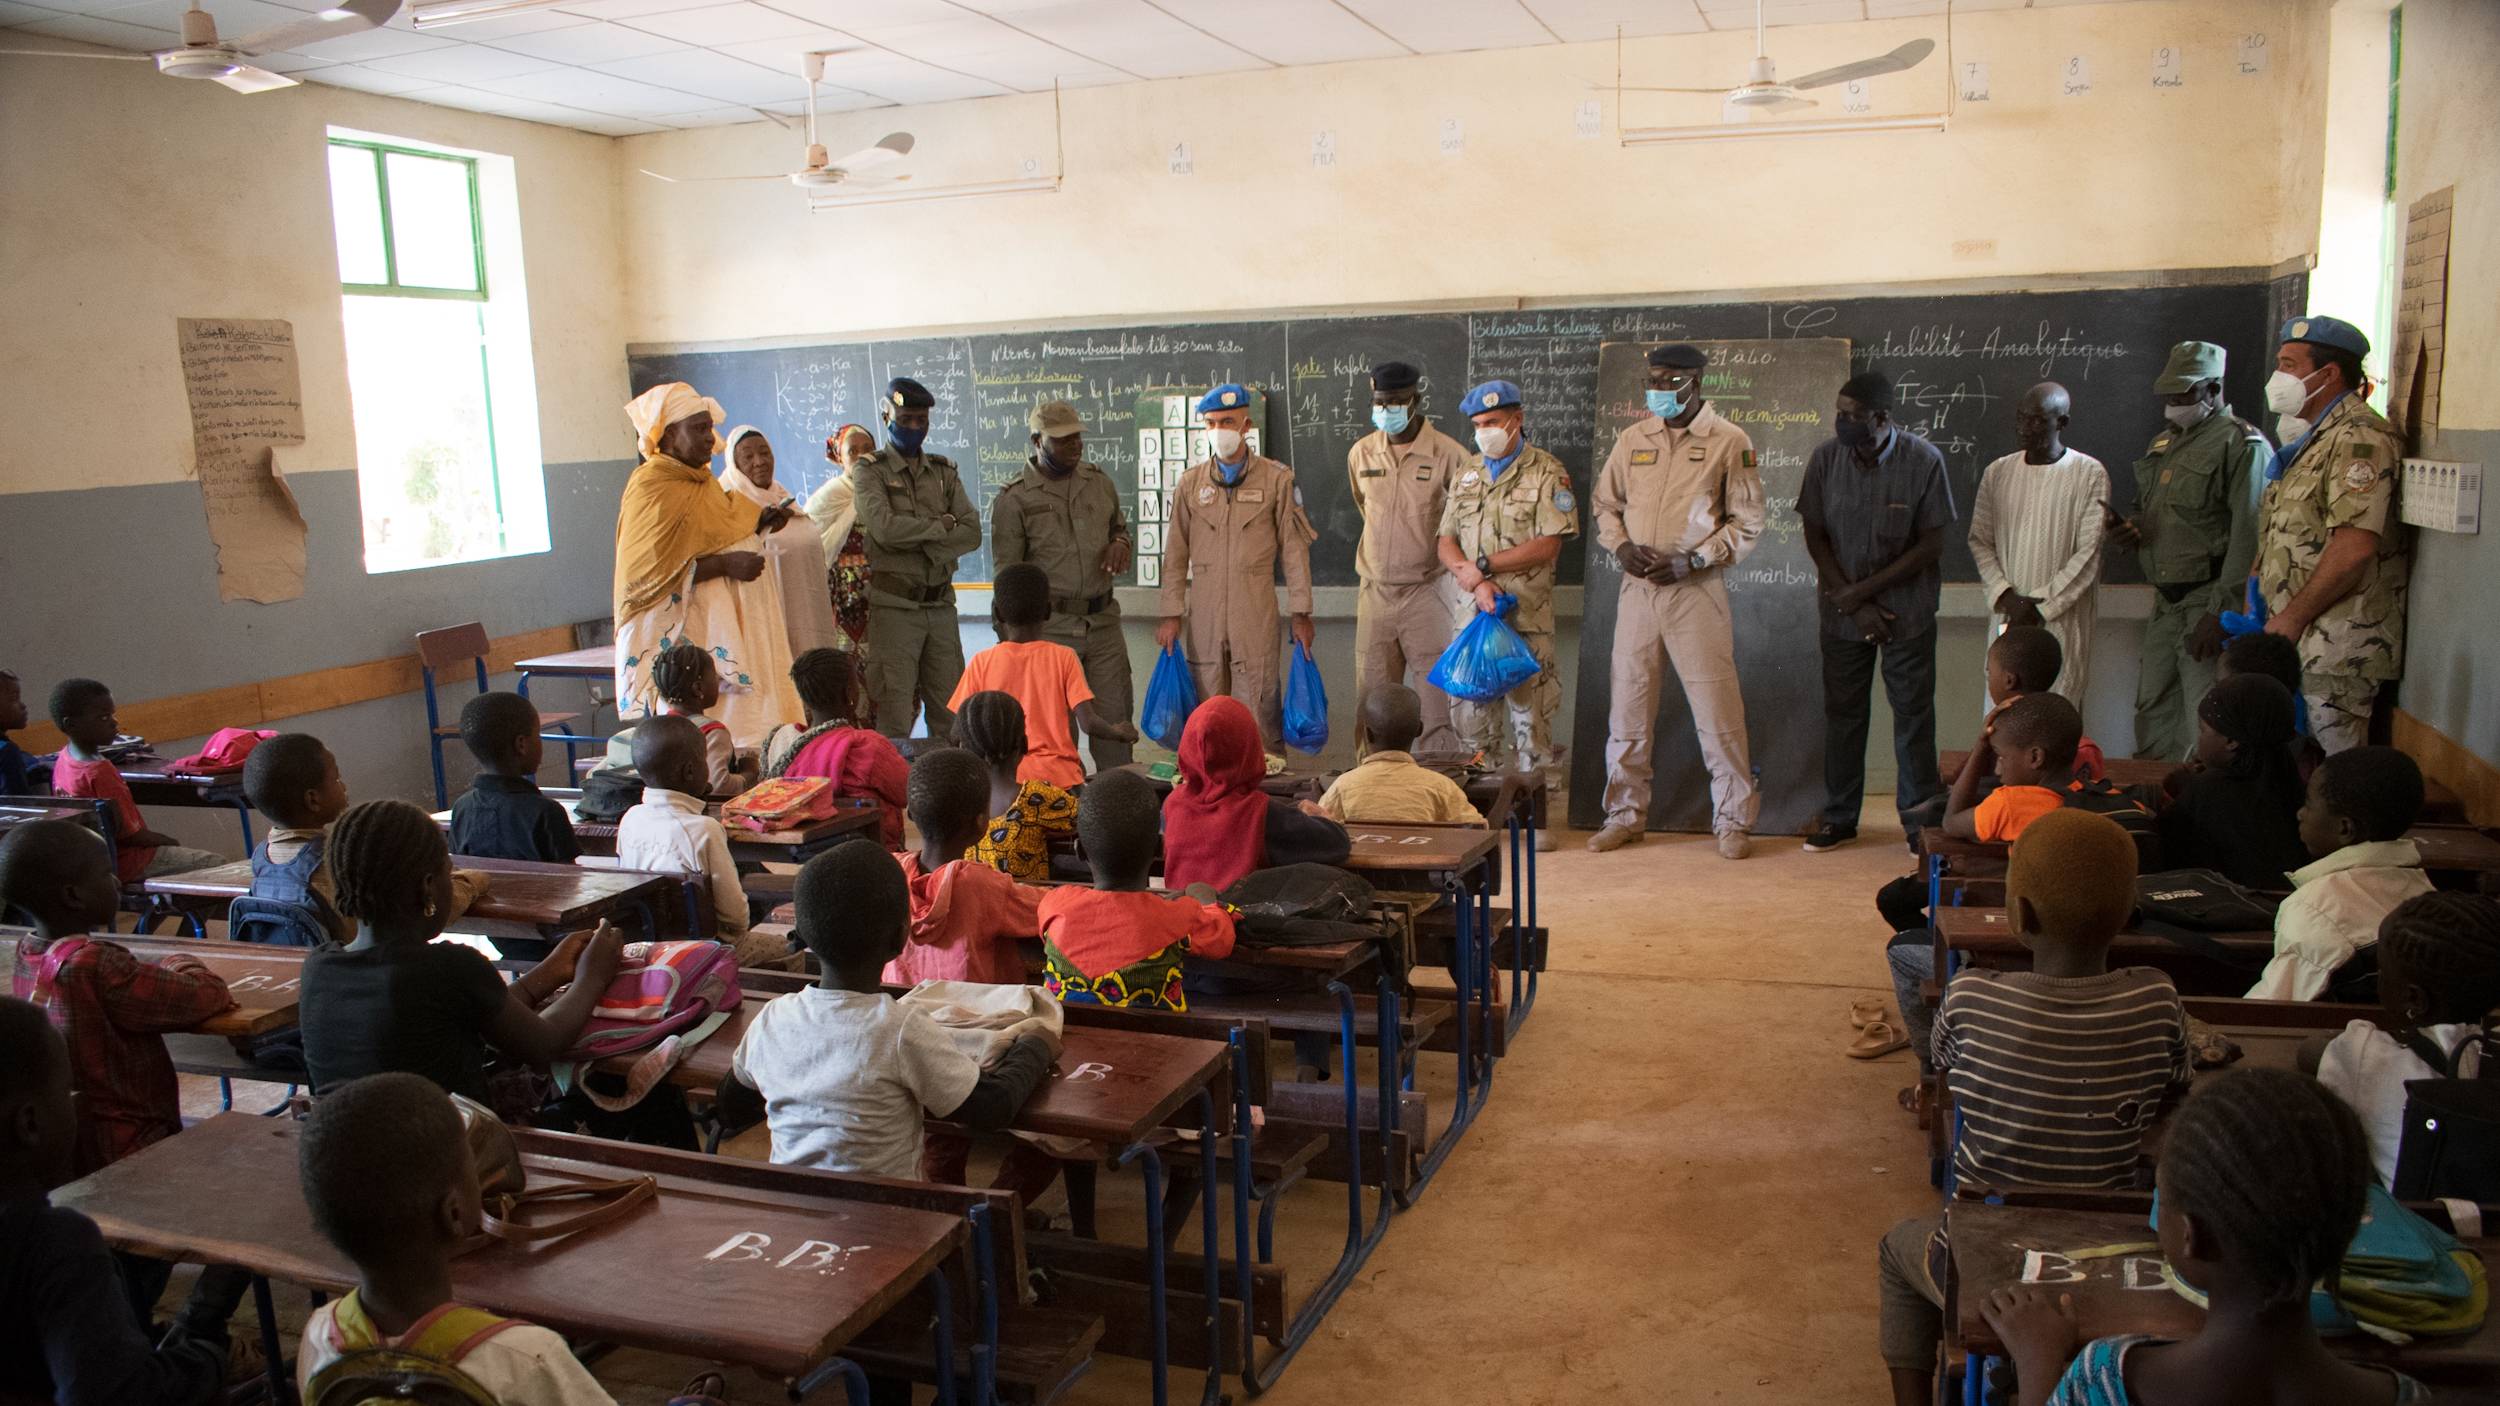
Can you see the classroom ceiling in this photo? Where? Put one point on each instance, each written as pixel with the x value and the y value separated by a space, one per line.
pixel 630 66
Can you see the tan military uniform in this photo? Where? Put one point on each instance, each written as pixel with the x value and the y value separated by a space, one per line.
pixel 1220 555
pixel 2196 496
pixel 1402 614
pixel 2345 477
pixel 1063 525
pixel 918 522
pixel 1694 489
pixel 1532 499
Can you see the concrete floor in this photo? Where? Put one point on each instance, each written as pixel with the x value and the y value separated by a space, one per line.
pixel 1676 1191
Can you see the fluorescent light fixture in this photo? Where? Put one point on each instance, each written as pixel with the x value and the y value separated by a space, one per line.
pixel 903 195
pixel 1812 127
pixel 450 12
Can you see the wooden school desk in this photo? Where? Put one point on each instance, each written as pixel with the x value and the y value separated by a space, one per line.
pixel 2440 805
pixel 262 980
pixel 1993 1244
pixel 1982 935
pixel 152 785
pixel 2459 851
pixel 547 899
pixel 736 1274
pixel 851 816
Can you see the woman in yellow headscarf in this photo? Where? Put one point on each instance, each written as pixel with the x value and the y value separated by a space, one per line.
pixel 690 567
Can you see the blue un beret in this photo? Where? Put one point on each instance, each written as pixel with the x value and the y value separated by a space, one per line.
pixel 1492 395
pixel 2326 332
pixel 1228 396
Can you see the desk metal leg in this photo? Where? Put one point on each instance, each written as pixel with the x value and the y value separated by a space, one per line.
pixel 1523 974
pixel 272 1347
pixel 854 1381
pixel 944 1333
pixel 1472 949
pixel 243 812
pixel 1159 1306
pixel 985 1310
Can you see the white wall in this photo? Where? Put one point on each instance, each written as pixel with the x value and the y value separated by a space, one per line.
pixel 2025 184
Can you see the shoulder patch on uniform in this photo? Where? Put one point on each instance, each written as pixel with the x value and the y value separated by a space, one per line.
pixel 2360 475
pixel 1644 456
pixel 1564 502
pixel 1748 458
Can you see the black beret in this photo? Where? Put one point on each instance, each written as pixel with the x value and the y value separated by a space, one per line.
pixel 1872 389
pixel 904 393
pixel 1395 376
pixel 1679 356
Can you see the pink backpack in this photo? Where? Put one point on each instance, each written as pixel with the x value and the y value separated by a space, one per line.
pixel 661 989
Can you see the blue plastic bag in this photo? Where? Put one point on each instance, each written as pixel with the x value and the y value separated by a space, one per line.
pixel 2236 623
pixel 1488 659
pixel 1306 703
pixel 1171 696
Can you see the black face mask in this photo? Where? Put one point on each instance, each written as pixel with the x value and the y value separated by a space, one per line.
pixel 1854 433
pixel 1050 467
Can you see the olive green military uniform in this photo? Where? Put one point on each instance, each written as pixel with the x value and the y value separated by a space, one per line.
pixel 1063 525
pixel 2196 494
pixel 2345 476
pixel 1532 499
pixel 918 522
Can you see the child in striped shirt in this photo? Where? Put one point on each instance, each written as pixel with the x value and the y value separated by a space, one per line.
pixel 2056 1072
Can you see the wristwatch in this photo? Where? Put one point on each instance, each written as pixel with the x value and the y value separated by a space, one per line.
pixel 1697 561
pixel 1484 565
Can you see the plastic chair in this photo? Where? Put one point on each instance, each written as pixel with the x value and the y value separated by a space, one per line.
pixel 274 923
pixel 467 644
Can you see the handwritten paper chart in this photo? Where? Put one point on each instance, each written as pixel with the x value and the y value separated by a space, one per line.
pixel 246 402
pixel 2422 318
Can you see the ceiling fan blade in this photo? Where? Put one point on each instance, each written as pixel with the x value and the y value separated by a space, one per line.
pixel 66 54
pixel 1636 88
pixel 893 146
pixel 346 17
pixel 852 178
pixel 257 80
pixel 696 180
pixel 1907 56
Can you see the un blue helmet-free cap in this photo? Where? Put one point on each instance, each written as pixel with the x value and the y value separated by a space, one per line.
pixel 1492 395
pixel 2326 332
pixel 1225 397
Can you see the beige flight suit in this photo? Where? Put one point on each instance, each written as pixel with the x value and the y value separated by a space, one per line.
pixel 1063 525
pixel 1220 554
pixel 1486 516
pixel 1694 489
pixel 1402 613
pixel 915 653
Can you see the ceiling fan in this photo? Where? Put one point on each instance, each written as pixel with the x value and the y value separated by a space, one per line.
pixel 203 55
pixel 1762 90
pixel 820 173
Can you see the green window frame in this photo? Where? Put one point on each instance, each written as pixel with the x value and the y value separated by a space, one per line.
pixel 393 288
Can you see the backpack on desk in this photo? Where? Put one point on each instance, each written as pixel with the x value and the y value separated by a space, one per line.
pixel 607 794
pixel 659 990
pixel 425 1369
pixel 783 803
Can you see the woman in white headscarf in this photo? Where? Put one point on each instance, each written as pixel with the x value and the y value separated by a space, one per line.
pixel 830 508
pixel 690 569
pixel 794 554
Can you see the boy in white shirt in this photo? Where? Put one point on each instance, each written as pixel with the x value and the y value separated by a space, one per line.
pixel 841 1070
pixel 387 1176
pixel 2361 802
pixel 669 833
pixel 2438 977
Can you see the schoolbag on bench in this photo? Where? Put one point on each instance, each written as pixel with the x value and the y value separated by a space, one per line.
pixel 1301 905
pixel 608 793
pixel 782 803
pixel 425 1369
pixel 660 989
pixel 2201 900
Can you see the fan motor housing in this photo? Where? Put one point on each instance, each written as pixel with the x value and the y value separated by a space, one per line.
pixel 202 61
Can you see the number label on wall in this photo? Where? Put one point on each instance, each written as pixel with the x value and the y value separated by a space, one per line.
pixel 1853 96
pixel 2168 71
pixel 1453 136
pixel 1181 164
pixel 1975 82
pixel 1324 147
pixel 2075 79
pixel 2252 53
pixel 1584 120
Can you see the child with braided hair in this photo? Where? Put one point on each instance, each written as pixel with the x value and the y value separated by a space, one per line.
pixel 2438 979
pixel 395 999
pixel 688 683
pixel 2262 1184
pixel 966 917
pixel 1025 816
pixel 835 742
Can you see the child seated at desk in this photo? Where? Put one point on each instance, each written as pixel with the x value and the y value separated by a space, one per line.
pixel 2269 654
pixel 2056 1072
pixel 2438 976
pixel 670 833
pixel 395 1000
pixel 67 1330
pixel 503 814
pixel 861 762
pixel 2360 804
pixel 16 778
pixel 1218 825
pixel 1120 943
pixel 1025 816
pixel 293 779
pixel 387 1176
pixel 2238 806
pixel 83 710
pixel 965 916
pixel 1045 677
pixel 840 1070
pixel 2025 660
pixel 2263 1183
pixel 688 683
pixel 1387 787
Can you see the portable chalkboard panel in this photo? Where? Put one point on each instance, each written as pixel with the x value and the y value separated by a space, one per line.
pixel 1775 392
pixel 1168 421
pixel 1960 361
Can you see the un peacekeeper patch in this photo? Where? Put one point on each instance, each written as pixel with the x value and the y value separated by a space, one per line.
pixel 2360 476
pixel 1563 501
pixel 1644 456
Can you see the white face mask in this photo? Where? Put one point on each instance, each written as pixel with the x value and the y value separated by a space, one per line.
pixel 1227 444
pixel 2291 429
pixel 2188 416
pixel 1494 440
pixel 2286 393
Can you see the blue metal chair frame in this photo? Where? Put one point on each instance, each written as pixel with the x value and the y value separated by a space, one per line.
pixel 434 734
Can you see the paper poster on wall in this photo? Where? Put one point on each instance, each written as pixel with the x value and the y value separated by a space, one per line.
pixel 1176 411
pixel 2169 70
pixel 1150 507
pixel 2417 363
pixel 1150 571
pixel 2252 54
pixel 246 402
pixel 1149 444
pixel 1150 538
pixel 2075 79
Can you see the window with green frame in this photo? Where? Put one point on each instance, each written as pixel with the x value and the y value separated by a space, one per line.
pixel 413 279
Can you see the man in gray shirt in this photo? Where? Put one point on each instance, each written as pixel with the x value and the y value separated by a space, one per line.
pixel 1875 505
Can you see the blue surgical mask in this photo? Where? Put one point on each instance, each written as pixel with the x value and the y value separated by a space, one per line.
pixel 907 440
pixel 1666 405
pixel 1392 419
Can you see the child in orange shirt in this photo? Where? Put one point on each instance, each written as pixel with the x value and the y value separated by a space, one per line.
pixel 965 915
pixel 1120 943
pixel 1048 679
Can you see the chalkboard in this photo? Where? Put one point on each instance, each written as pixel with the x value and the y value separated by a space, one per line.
pixel 1776 392
pixel 1960 363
